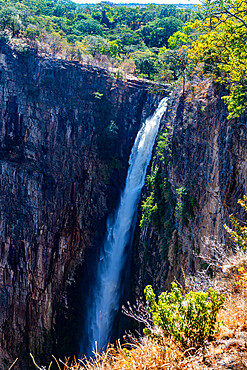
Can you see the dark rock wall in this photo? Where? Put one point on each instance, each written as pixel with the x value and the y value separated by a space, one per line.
pixel 66 132
pixel 207 156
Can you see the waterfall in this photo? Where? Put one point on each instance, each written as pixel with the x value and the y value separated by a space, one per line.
pixel 105 301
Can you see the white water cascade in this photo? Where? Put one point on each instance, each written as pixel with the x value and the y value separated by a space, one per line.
pixel 105 302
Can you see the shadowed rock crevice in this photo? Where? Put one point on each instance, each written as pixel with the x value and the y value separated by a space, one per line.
pixel 202 175
pixel 57 188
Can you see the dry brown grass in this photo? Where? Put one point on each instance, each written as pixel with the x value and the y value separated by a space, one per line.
pixel 224 353
pixel 146 355
pixel 234 311
pixel 234 314
pixel 227 350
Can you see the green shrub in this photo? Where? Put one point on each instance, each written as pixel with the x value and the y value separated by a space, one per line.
pixel 184 209
pixel 148 210
pixel 188 320
pixel 239 232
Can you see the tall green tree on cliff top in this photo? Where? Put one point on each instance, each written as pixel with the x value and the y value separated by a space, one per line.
pixel 221 50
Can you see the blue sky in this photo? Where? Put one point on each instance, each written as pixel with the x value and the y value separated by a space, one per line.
pixel 142 1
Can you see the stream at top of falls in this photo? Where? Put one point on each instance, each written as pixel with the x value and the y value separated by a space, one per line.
pixel 102 307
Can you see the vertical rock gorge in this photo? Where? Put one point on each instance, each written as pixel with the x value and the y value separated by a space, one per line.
pixel 200 173
pixel 66 132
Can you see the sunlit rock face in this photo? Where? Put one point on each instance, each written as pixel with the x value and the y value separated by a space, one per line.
pixel 205 158
pixel 66 132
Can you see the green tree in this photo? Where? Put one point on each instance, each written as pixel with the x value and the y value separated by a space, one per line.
pixel 168 11
pixel 89 27
pixel 221 49
pixel 10 20
pixel 96 45
pixel 157 33
pixel 181 38
pixel 176 62
pixel 32 33
pixel 146 63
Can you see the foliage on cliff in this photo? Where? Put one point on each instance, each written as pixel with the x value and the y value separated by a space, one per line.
pixel 132 38
pixel 239 232
pixel 161 42
pixel 227 348
pixel 191 317
pixel 158 205
pixel 221 49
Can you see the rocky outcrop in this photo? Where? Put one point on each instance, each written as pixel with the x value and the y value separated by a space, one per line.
pixel 201 172
pixel 66 131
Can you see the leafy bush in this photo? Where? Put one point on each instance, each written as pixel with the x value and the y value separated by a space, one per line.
pixel 149 205
pixel 239 234
pixel 157 208
pixel 163 148
pixel 189 320
pixel 148 210
pixel 184 209
pixel 242 278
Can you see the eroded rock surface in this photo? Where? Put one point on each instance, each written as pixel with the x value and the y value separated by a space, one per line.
pixel 205 159
pixel 66 131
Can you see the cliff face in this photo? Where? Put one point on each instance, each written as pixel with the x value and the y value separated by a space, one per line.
pixel 66 132
pixel 199 173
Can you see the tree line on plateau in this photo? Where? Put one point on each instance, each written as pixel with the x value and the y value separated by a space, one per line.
pixel 160 42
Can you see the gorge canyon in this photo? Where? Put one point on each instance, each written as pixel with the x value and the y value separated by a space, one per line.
pixel 66 133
